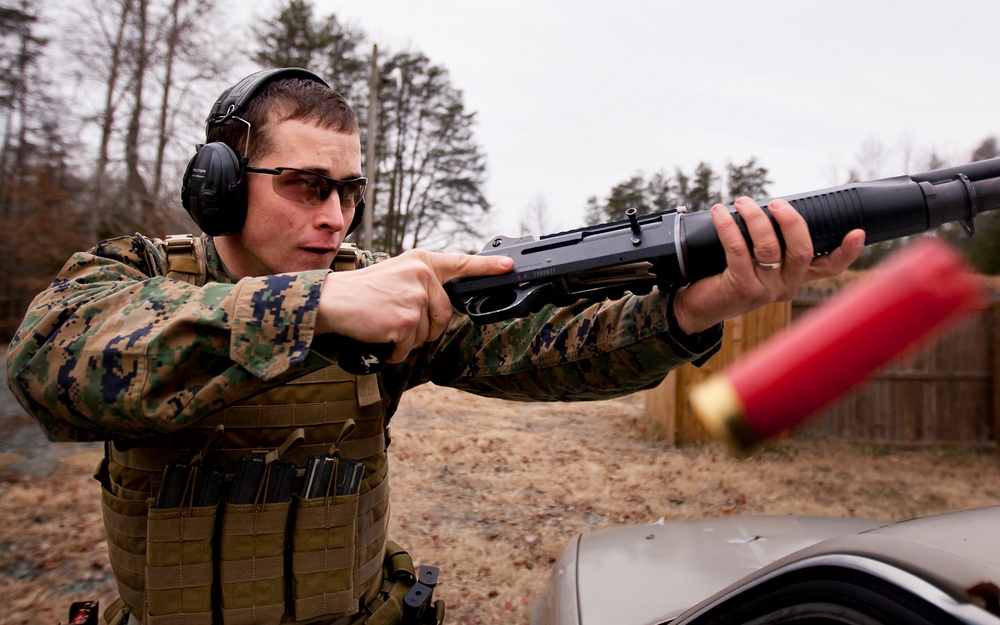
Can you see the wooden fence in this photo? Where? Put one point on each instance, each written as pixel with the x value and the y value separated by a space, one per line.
pixel 942 395
pixel 667 404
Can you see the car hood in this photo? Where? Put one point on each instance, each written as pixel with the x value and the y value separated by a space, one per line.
pixel 644 574
pixel 952 560
pixel 649 574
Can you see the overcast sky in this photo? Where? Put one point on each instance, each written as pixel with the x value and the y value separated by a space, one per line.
pixel 574 96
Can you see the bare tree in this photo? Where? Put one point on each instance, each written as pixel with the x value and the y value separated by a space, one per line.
pixel 136 191
pixel 434 166
pixel 536 218
pixel 173 35
pixel 908 154
pixel 113 37
pixel 870 160
pixel 151 57
pixel 37 186
pixel 20 50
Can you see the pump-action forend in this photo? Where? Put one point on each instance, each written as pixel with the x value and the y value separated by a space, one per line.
pixel 670 248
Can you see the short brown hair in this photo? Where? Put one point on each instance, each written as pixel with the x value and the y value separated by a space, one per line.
pixel 281 100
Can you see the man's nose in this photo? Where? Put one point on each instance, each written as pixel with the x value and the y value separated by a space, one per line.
pixel 330 214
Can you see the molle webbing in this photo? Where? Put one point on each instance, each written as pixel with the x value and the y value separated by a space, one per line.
pixel 255 425
pixel 321 402
pixel 186 259
pixel 325 580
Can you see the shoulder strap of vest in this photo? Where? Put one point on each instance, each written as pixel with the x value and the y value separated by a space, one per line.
pixel 186 259
pixel 348 257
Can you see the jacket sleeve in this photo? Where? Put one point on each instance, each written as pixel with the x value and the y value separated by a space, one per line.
pixel 112 349
pixel 584 351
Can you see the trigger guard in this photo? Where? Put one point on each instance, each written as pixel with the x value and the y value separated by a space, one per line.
pixel 519 306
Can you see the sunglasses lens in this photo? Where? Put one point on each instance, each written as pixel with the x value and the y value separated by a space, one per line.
pixel 302 187
pixel 351 193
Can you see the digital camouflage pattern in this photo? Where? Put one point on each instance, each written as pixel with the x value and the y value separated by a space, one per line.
pixel 115 350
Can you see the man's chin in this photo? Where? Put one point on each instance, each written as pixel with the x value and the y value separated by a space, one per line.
pixel 310 259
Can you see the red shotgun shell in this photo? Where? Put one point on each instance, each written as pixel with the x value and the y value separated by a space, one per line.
pixel 909 299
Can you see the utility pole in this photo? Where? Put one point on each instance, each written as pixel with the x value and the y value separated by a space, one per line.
pixel 371 163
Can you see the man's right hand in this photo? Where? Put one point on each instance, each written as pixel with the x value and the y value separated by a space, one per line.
pixel 400 300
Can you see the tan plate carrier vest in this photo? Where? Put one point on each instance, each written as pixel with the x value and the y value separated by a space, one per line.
pixel 301 561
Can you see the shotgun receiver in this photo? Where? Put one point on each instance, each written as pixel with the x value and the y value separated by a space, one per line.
pixel 670 248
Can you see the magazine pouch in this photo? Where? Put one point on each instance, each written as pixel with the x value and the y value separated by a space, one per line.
pixel 324 550
pixel 179 549
pixel 252 551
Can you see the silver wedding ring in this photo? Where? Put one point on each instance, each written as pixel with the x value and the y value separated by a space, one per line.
pixel 776 265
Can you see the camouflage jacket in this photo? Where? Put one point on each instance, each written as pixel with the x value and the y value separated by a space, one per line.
pixel 115 350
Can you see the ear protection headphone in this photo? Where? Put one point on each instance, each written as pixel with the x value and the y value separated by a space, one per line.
pixel 214 189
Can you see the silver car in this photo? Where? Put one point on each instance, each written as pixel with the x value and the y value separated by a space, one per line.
pixel 942 569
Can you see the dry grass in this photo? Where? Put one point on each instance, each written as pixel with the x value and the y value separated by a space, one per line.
pixel 52 549
pixel 490 491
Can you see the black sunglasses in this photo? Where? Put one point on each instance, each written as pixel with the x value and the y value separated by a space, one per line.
pixel 310 188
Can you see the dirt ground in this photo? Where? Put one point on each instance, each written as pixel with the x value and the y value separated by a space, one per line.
pixel 490 491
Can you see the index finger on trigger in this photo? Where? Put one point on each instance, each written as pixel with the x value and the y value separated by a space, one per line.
pixel 450 266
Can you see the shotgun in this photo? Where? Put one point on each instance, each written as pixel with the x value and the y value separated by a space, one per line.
pixel 671 248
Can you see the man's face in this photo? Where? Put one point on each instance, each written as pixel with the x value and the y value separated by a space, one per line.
pixel 283 236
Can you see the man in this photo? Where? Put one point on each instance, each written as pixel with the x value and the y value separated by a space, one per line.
pixel 206 357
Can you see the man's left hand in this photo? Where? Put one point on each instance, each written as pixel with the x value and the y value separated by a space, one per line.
pixel 750 282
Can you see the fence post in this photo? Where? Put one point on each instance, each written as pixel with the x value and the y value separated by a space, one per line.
pixel 660 407
pixel 996 371
pixel 668 403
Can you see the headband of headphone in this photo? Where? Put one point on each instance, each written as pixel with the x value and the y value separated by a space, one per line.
pixel 233 101
pixel 214 190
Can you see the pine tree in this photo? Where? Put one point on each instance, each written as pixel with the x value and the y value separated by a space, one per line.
pixel 427 180
pixel 983 249
pixel 703 193
pixel 748 180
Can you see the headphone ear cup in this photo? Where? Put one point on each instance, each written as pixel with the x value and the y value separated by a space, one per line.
pixel 359 213
pixel 213 191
